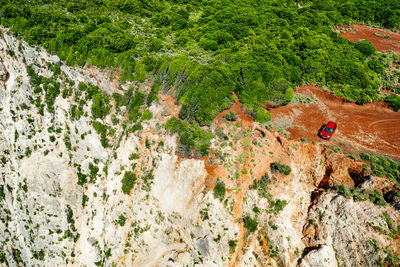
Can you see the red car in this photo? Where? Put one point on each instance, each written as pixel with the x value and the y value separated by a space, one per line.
pixel 327 130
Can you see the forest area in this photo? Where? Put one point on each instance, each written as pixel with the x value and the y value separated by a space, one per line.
pixel 208 50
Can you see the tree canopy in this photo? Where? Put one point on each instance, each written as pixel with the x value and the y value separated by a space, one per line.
pixel 211 49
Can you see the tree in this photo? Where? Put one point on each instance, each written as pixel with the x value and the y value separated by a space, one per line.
pixel 208 44
pixel 289 94
pixel 365 47
pixel 262 116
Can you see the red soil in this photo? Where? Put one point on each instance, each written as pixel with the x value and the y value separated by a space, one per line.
pixel 242 116
pixel 358 32
pixel 168 101
pixel 370 128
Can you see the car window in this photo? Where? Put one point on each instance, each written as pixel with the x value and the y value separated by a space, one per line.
pixel 329 130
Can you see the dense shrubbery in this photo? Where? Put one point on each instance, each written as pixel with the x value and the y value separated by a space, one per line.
pixel 394 101
pixel 193 140
pixel 383 167
pixel 257 49
pixel 365 47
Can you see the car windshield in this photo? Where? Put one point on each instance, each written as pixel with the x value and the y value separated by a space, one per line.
pixel 329 130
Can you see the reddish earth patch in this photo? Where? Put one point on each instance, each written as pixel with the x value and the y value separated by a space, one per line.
pixel 357 32
pixel 168 101
pixel 370 128
pixel 241 114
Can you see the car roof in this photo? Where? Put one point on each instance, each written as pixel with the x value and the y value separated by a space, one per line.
pixel 331 124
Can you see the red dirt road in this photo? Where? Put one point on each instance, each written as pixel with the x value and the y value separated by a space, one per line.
pixel 373 127
pixel 357 32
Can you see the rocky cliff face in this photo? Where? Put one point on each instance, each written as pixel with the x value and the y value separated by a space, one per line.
pixel 65 197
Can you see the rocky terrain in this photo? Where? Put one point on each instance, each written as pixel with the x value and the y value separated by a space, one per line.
pixel 82 189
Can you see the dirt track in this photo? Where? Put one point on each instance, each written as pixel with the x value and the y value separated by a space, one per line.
pixel 370 128
pixel 357 32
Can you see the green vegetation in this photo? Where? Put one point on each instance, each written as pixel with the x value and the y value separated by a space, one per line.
pixel 128 181
pixel 276 206
pixel 232 246
pixel 50 87
pixel 219 190
pixel 231 116
pixel 85 199
pixel 133 156
pixel 343 190
pixel 383 35
pixel 193 140
pixel 261 185
pixel 101 129
pixel 121 220
pixel 210 49
pixel 365 47
pixel 393 101
pixel 383 167
pixel 276 166
pixel 93 172
pixel 262 116
pixel 377 198
pixel 147 115
pixel 250 223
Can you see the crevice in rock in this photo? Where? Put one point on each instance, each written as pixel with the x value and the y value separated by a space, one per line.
pixel 392 198
pixel 310 230
pixel 261 132
pixel 315 195
pixel 279 140
pixel 306 251
pixel 4 74
pixel 357 176
pixel 323 185
pixel 325 182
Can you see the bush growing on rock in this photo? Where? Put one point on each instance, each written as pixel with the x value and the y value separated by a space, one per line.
pixel 276 206
pixel 276 166
pixel 219 190
pixel 250 223
pixel 128 181
pixel 377 198
pixel 232 246
pixel 261 185
pixel 382 166
pixel 343 190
